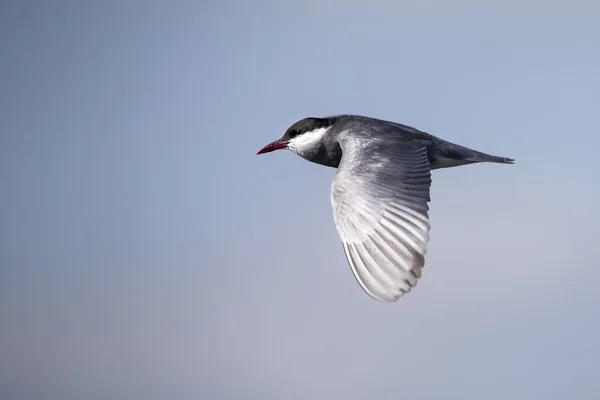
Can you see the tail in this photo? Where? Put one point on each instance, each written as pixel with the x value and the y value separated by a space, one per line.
pixel 482 157
pixel 444 154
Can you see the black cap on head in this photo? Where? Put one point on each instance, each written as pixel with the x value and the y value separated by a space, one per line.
pixel 301 127
pixel 307 125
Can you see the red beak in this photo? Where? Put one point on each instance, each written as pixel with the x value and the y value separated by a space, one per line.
pixel 276 145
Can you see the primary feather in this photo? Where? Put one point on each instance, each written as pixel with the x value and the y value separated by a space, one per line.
pixel 379 197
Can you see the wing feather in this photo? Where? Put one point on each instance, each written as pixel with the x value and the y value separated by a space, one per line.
pixel 379 197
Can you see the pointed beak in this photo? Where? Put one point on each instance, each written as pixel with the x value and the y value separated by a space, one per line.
pixel 276 145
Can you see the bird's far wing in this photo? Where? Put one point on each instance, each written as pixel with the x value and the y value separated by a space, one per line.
pixel 379 197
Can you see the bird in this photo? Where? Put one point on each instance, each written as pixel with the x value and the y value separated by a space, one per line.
pixel 380 193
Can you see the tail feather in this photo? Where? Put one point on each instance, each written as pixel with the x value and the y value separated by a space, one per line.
pixel 482 157
pixel 444 154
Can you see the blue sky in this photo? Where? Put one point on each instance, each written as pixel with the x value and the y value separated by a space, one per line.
pixel 146 252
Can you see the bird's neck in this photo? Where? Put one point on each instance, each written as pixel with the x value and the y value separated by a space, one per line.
pixel 318 146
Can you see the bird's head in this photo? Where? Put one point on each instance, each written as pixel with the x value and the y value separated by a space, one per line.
pixel 304 137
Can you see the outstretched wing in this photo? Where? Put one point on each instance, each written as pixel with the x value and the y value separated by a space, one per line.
pixel 379 197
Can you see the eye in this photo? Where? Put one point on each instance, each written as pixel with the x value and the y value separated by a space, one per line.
pixel 294 132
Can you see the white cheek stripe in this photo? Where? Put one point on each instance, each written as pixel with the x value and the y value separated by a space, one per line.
pixel 302 143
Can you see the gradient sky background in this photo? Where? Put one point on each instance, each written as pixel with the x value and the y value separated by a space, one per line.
pixel 146 252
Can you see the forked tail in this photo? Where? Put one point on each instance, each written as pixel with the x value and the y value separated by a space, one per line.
pixel 444 154
pixel 482 157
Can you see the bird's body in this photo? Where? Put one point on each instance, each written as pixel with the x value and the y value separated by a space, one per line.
pixel 380 193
